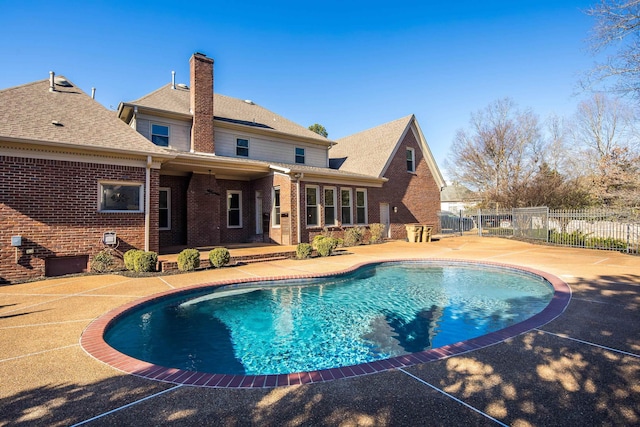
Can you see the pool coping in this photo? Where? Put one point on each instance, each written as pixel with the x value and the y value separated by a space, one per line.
pixel 93 343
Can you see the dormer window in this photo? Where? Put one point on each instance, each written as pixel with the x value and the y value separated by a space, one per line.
pixel 300 155
pixel 160 135
pixel 242 147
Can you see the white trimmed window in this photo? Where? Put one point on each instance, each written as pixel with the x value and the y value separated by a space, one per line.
pixel 276 207
pixel 115 196
pixel 164 209
pixel 345 206
pixel 411 160
pixel 234 209
pixel 330 206
pixel 300 155
pixel 160 134
pixel 361 206
pixel 313 218
pixel 242 147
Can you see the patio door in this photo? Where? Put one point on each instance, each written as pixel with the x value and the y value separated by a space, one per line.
pixel 258 211
pixel 385 218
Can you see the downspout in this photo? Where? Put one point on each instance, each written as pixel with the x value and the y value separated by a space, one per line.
pixel 298 177
pixel 147 204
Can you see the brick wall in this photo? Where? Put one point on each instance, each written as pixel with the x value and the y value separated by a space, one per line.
pixel 53 206
pixel 177 235
pixel 416 195
pixel 203 211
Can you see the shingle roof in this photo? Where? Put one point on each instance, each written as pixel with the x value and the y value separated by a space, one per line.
pixel 368 152
pixel 226 109
pixel 27 113
pixel 457 193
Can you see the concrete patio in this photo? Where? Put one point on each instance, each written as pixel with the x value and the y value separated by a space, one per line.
pixel 583 368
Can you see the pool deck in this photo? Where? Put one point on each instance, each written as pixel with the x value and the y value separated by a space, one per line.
pixel 582 368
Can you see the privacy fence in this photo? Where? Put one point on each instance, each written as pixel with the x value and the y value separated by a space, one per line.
pixel 616 230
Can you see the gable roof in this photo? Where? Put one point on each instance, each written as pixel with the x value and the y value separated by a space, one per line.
pixel 28 113
pixel 370 151
pixel 226 109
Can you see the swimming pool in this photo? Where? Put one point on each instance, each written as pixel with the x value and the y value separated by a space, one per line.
pixel 386 313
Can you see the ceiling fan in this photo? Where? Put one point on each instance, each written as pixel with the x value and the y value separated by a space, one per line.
pixel 209 190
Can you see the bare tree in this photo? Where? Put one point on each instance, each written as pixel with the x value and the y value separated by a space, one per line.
pixel 499 153
pixel 617 34
pixel 606 139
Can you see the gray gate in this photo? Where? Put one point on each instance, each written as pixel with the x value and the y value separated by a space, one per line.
pixel 531 223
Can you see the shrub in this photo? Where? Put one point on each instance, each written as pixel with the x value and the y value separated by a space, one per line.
pixel 188 260
pixel 326 246
pixel 145 261
pixel 575 238
pixel 353 236
pixel 103 262
pixel 317 239
pixel 377 232
pixel 303 251
pixel 219 257
pixel 130 257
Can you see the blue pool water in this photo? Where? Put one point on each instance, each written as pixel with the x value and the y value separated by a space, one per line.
pixel 376 313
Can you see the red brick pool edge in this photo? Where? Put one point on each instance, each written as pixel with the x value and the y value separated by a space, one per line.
pixel 92 339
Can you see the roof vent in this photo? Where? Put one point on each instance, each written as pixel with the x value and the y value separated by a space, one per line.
pixel 182 86
pixel 56 123
pixel 250 102
pixel 61 81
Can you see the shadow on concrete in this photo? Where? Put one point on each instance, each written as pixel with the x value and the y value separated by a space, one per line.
pixel 534 379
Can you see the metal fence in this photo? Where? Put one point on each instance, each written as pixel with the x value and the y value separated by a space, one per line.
pixel 617 230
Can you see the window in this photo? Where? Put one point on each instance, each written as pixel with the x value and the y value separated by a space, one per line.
pixel 160 135
pixel 313 219
pixel 300 155
pixel 242 147
pixel 234 209
pixel 361 206
pixel 330 217
pixel 164 209
pixel 345 199
pixel 276 206
pixel 120 196
pixel 411 160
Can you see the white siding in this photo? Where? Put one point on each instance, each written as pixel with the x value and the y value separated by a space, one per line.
pixel 269 150
pixel 179 131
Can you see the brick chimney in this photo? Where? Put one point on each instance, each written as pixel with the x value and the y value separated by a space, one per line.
pixel 201 104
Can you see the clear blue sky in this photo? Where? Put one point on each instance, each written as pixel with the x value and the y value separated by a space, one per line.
pixel 347 65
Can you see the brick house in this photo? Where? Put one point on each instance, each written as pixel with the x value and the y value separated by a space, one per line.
pixel 71 171
pixel 186 167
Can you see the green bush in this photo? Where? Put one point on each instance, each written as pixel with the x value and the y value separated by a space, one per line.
pixel 130 257
pixel 103 262
pixel 188 260
pixel 326 246
pixel 606 243
pixel 145 261
pixel 353 236
pixel 575 238
pixel 219 257
pixel 303 251
pixel 317 239
pixel 377 232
